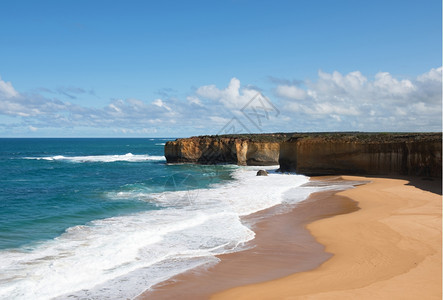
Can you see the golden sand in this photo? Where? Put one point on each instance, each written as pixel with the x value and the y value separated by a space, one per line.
pixel 389 249
pixel 282 246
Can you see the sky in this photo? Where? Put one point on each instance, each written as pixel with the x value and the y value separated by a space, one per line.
pixel 181 68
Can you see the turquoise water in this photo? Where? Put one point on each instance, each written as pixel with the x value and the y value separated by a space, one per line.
pixel 108 218
pixel 49 185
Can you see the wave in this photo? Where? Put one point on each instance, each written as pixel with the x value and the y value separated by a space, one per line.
pixel 102 158
pixel 160 144
pixel 120 257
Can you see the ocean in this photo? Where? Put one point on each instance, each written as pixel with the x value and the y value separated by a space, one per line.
pixel 109 218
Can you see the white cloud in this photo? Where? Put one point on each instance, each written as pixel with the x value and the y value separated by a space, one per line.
pixel 385 85
pixel 36 111
pixel 333 101
pixel 291 92
pixel 194 100
pixel 219 120
pixel 232 97
pixel 382 103
pixel 7 90
pixel 25 105
pixel 115 108
pixel 338 83
pixel 435 74
pixel 160 103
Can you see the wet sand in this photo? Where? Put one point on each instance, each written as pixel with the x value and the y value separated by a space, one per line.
pixel 389 249
pixel 282 246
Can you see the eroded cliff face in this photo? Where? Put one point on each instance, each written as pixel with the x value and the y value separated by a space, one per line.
pixel 318 153
pixel 208 150
pixel 399 155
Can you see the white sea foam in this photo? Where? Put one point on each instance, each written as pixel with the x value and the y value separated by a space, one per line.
pixel 103 158
pixel 160 144
pixel 120 257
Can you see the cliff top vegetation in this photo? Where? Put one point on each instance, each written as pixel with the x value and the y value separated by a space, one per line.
pixel 347 136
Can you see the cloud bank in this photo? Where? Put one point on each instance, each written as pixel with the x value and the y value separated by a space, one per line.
pixel 332 102
pixel 354 102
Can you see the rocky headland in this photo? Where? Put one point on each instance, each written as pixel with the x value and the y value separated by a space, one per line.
pixel 318 153
pixel 253 150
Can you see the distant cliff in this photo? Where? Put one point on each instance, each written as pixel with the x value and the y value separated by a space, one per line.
pixel 318 153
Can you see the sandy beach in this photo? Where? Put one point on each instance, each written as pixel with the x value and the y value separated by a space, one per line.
pixel 380 240
pixel 282 246
pixel 389 249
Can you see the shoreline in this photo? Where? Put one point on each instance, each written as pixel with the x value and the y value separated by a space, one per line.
pixel 389 249
pixel 282 246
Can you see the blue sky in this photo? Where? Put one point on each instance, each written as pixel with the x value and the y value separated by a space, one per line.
pixel 180 68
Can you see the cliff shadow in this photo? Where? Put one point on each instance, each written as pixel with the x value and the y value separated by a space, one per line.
pixel 429 184
pixel 433 185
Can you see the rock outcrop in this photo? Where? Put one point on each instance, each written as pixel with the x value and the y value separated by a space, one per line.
pixel 262 173
pixel 318 153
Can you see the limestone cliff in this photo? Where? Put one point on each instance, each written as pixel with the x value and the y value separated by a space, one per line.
pixel 318 153
pixel 367 154
pixel 213 150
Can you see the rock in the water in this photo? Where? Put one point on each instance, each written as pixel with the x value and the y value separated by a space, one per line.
pixel 262 173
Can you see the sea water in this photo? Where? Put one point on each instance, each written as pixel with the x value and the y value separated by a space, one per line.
pixel 108 218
